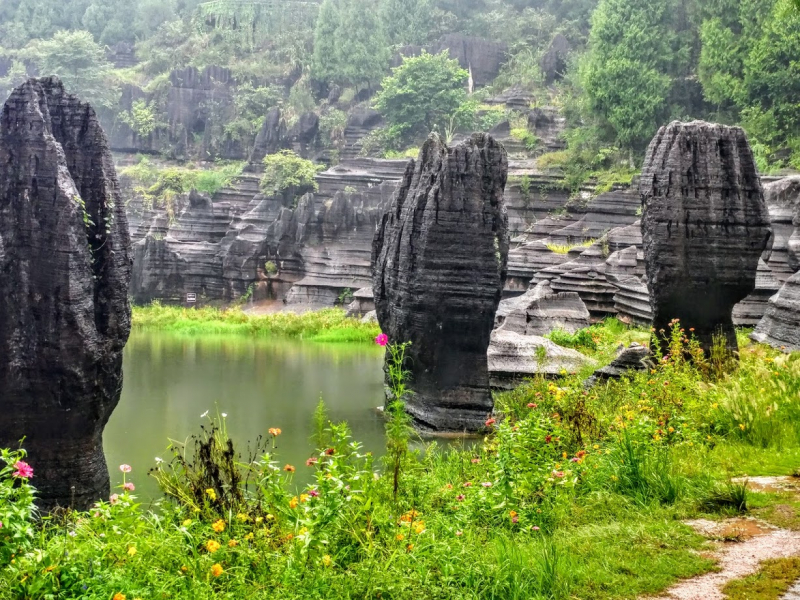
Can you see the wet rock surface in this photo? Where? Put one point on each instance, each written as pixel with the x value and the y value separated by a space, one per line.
pixel 704 227
pixel 64 275
pixel 439 263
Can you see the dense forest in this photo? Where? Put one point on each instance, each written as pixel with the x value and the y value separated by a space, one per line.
pixel 617 69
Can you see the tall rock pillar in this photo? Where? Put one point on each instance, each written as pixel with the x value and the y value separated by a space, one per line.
pixel 439 264
pixel 704 226
pixel 64 274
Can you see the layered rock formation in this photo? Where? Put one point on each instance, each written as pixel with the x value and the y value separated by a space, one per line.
pixel 704 227
pixel 64 274
pixel 780 326
pixel 439 262
pixel 541 310
pixel 633 358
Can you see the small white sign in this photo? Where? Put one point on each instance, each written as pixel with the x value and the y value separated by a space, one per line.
pixel 191 298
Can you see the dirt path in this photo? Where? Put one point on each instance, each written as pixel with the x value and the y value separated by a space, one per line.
pixel 741 545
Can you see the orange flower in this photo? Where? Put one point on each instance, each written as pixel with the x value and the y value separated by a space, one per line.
pixel 184 568
pixel 212 546
pixel 410 547
pixel 217 570
pixel 289 469
pixel 293 502
pixel 274 431
pixel 400 537
pixel 232 543
pixel 218 526
pixel 119 596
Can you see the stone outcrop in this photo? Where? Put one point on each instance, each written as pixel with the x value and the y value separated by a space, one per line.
pixel 64 274
pixel 554 61
pixel 780 326
pixel 514 357
pixel 704 226
pixel 270 138
pixel 633 358
pixel 439 262
pixel 541 310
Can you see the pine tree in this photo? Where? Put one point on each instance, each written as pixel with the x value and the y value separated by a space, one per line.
pixel 361 46
pixel 325 64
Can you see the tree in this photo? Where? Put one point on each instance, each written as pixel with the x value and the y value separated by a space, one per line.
pixel 361 47
pixel 79 62
pixel 406 21
pixel 325 66
pixel 110 21
pixel 424 91
pixel 627 72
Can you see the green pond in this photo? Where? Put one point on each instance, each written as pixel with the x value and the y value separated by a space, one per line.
pixel 171 380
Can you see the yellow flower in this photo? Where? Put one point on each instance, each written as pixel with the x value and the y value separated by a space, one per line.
pixel 419 527
pixel 232 543
pixel 741 426
pixel 274 431
pixel 212 546
pixel 293 502
pixel 259 520
pixel 715 405
pixel 563 455
pixel 614 478
pixel 184 568
pixel 216 570
pixel 270 517
pixel 218 526
pixel 243 517
pixel 119 596
pixel 304 498
pixel 596 447
pixel 187 522
pixel 131 551
pixel 326 560
pixel 303 531
pixel 212 495
pixel 410 547
pixel 400 537
pixel 249 536
pixel 671 429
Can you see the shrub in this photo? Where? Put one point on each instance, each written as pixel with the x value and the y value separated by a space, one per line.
pixel 287 173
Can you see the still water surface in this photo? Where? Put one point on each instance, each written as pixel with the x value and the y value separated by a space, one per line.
pixel 170 380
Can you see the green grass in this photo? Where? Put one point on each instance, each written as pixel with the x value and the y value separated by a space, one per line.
pixel 585 493
pixel 772 580
pixel 328 325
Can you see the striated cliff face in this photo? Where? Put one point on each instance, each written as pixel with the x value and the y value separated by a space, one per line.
pixel 64 275
pixel 439 258
pixel 704 228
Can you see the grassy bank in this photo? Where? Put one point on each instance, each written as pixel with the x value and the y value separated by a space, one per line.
pixel 573 493
pixel 328 325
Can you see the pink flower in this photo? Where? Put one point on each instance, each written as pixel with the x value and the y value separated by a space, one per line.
pixel 532 405
pixel 558 474
pixel 475 461
pixel 515 519
pixel 490 422
pixel 125 468
pixel 312 461
pixel 382 339
pixel 574 460
pixel 23 470
pixel 487 484
pixel 114 498
pixel 459 533
pixel 313 493
pixel 468 484
pixel 535 528
pixel 460 497
pixel 128 487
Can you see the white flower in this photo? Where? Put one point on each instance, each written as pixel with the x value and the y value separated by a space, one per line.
pixel 224 415
pixel 159 460
pixel 204 415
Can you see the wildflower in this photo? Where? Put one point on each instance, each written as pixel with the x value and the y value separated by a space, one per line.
pixel 313 493
pixel 575 460
pixel 326 560
pixel 490 421
pixel 410 547
pixel 742 426
pixel 204 415
pixel 532 405
pixel 312 461
pixel 119 596
pixel 212 495
pixel 114 498
pixel 184 568
pixel 218 526
pixel 128 486
pixel 232 543
pixel 468 484
pixel 132 551
pixel 23 470
pixel 558 474
pixel 614 478
pixel 487 484
pixel 217 570
pixel 125 468
pixel 563 455
pixel 671 430
pixel 461 497
pixel 515 519
pixel 382 339
pixel 512 514
pixel 249 536
pixel 548 439
pixel 212 546
pixel 303 498
pixel 330 452
pixel 459 533
pixel 293 502
pixel 535 528
pixel 224 415
pixel 187 522
pixel 400 537
pixel 475 461
pixel 71 533
pixel 274 431
pixel 260 519
pixel 243 517
pixel 289 469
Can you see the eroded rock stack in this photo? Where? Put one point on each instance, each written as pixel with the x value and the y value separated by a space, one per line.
pixel 439 263
pixel 704 226
pixel 64 273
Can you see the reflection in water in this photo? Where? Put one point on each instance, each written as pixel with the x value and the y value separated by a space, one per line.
pixel 170 380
